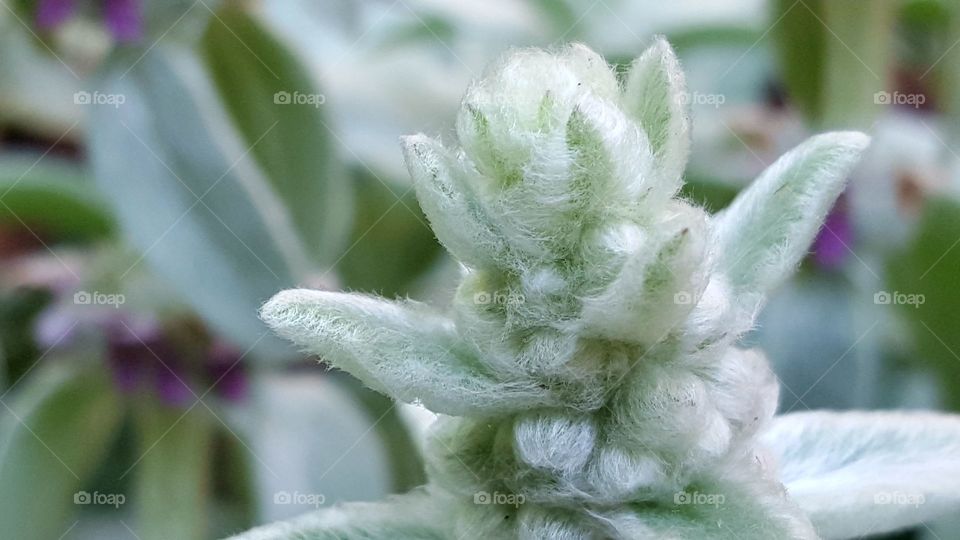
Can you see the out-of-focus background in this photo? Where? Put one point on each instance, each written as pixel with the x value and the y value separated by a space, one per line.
pixel 166 166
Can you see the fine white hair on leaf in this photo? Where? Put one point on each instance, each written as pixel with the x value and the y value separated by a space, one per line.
pixel 743 508
pixel 670 412
pixel 559 441
pixel 761 237
pixel 617 472
pixel 860 473
pixel 658 285
pixel 401 349
pixel 537 523
pixel 614 158
pixel 530 91
pixel 655 95
pixel 412 516
pixel 744 389
pixel 592 70
pixel 457 217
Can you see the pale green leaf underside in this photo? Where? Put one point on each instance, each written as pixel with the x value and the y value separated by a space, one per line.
pixel 864 473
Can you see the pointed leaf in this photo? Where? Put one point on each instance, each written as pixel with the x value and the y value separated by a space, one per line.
pixel 655 95
pixel 755 510
pixel 400 349
pixel 456 216
pixel 768 228
pixel 868 473
pixel 657 286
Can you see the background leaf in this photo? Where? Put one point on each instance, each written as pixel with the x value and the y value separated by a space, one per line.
pixel 290 141
pixel 52 198
pixel 391 242
pixel 201 215
pixel 801 47
pixel 306 434
pixel 929 267
pixel 53 436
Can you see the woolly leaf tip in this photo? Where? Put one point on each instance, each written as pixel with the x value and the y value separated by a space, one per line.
pixel 400 349
pixel 655 95
pixel 762 236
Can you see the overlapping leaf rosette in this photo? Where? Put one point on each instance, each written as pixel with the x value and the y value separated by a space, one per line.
pixel 588 375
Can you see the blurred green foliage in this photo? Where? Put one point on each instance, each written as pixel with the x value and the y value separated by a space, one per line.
pixel 930 266
pixel 54 436
pixel 55 198
pixel 391 243
pixel 260 81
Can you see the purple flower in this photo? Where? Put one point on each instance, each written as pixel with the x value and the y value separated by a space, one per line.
pixel 171 385
pixel 128 350
pixel 225 370
pixel 831 246
pixel 140 354
pixel 53 13
pixel 123 18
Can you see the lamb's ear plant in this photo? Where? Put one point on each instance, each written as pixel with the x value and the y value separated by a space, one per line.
pixel 588 375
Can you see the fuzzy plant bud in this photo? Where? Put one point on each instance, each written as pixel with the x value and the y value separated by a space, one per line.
pixel 588 375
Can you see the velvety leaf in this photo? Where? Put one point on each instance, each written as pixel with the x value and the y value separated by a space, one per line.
pixel 655 95
pixel 862 473
pixel 412 516
pixel 459 220
pixel 400 349
pixel 762 236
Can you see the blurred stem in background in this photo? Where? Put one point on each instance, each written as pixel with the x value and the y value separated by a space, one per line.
pixel 858 54
pixel 951 69
pixel 834 57
pixel 857 70
pixel 173 480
